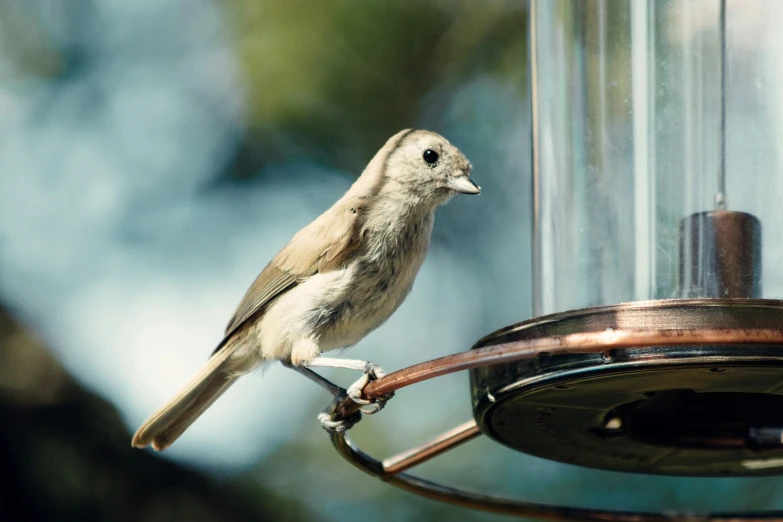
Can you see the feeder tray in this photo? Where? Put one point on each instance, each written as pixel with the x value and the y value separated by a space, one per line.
pixel 708 410
pixel 681 387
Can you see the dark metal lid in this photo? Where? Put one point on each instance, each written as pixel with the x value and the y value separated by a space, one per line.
pixel 683 410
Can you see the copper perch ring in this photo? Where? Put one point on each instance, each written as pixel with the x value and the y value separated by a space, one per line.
pixel 392 469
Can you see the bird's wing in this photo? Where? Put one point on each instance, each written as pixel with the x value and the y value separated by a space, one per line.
pixel 322 246
pixel 270 283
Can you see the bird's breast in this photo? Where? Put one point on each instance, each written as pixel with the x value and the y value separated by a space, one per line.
pixel 381 277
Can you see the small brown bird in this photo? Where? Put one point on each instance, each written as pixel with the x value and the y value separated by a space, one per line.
pixel 339 278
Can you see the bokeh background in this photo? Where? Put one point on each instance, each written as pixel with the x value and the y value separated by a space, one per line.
pixel 155 154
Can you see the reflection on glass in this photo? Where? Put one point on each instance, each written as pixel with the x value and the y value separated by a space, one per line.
pixel 627 101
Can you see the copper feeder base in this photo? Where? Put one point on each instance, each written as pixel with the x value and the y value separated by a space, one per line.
pixel 695 410
pixel 639 367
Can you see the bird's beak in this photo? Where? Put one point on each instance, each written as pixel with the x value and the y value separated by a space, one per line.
pixel 464 185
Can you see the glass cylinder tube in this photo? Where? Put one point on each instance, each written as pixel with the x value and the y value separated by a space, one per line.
pixel 657 150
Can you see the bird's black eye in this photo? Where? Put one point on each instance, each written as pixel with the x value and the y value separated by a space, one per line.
pixel 430 156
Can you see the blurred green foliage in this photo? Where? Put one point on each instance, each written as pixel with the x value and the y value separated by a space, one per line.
pixel 25 46
pixel 337 78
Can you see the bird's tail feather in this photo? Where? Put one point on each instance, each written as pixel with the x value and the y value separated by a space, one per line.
pixel 173 418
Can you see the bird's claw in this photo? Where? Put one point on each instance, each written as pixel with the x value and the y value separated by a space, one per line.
pixel 332 425
pixel 377 405
pixel 372 371
pixel 328 417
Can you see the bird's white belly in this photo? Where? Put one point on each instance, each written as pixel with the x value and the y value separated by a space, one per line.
pixel 335 310
pixel 293 316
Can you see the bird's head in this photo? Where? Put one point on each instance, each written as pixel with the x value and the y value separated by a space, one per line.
pixel 425 166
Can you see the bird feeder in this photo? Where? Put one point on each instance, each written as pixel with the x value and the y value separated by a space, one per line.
pixel 657 339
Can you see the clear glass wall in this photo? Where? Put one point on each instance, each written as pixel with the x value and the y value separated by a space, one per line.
pixel 628 148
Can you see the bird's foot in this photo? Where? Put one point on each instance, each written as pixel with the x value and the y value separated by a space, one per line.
pixel 329 420
pixel 370 372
